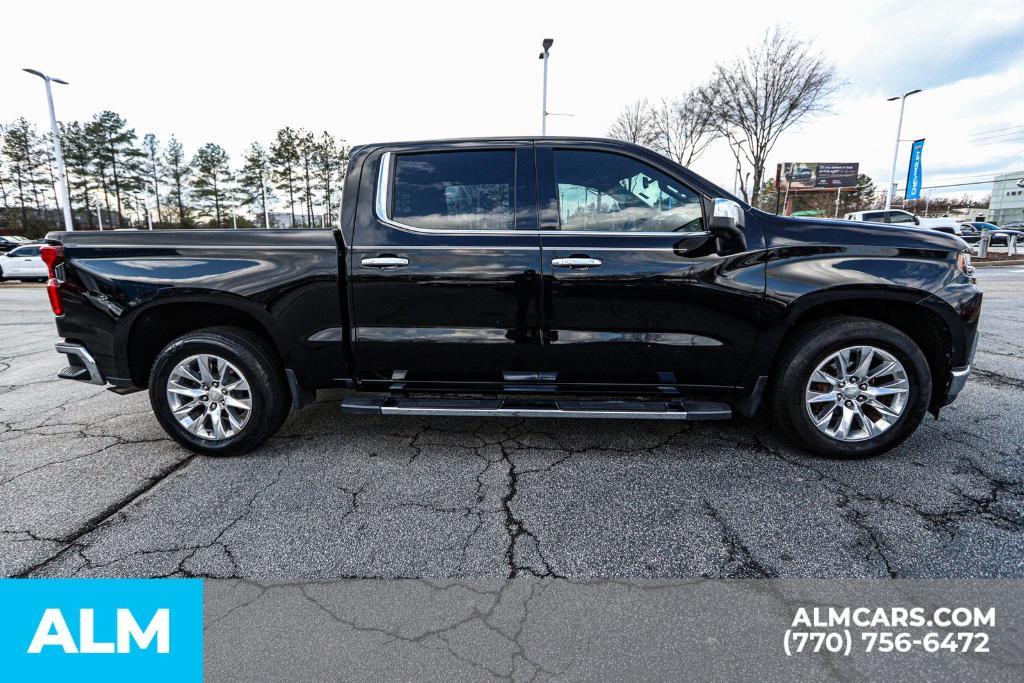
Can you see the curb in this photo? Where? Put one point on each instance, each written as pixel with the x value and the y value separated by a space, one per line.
pixel 997 264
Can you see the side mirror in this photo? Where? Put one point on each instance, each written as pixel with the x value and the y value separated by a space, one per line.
pixel 727 226
pixel 917 221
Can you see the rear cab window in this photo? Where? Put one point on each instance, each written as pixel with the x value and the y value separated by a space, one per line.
pixel 455 190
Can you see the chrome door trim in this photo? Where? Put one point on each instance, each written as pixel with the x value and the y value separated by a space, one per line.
pixel 576 262
pixel 384 199
pixel 384 262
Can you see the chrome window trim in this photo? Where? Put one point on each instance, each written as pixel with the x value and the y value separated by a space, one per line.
pixel 502 247
pixel 384 195
pixel 170 247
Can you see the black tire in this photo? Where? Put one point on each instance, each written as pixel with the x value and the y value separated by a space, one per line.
pixel 256 361
pixel 811 347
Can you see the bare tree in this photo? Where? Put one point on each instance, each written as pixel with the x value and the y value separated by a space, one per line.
pixel 764 92
pixel 684 128
pixel 635 123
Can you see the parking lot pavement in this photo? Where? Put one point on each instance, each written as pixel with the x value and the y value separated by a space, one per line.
pixel 89 485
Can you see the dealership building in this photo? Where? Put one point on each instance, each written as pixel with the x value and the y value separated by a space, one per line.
pixel 1007 198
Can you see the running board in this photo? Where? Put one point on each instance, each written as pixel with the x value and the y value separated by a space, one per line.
pixel 520 407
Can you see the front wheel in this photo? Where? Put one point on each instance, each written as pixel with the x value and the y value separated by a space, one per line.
pixel 852 387
pixel 218 391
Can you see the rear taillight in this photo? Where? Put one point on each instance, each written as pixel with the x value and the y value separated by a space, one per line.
pixel 53 256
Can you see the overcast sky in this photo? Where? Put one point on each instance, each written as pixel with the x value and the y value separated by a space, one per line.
pixel 232 73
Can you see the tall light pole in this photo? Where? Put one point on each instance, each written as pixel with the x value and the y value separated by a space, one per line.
pixel 266 212
pixel 896 148
pixel 64 194
pixel 548 42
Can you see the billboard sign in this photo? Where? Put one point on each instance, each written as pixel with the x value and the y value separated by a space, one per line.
pixel 817 176
pixel 914 171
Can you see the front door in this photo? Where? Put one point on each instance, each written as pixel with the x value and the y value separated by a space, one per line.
pixel 445 269
pixel 23 262
pixel 635 294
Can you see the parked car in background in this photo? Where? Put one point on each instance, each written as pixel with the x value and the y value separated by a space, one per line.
pixel 23 263
pixel 1015 225
pixel 8 242
pixel 906 219
pixel 973 230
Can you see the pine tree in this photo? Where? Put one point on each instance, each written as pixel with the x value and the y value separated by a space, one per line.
pixel 177 173
pixel 94 140
pixel 19 150
pixel 284 158
pixel 78 162
pixel 330 159
pixel 212 180
pixel 151 147
pixel 307 164
pixel 116 145
pixel 252 181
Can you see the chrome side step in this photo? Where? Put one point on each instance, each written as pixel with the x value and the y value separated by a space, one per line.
pixel 678 409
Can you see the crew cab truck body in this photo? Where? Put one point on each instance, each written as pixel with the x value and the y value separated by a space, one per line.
pixel 531 277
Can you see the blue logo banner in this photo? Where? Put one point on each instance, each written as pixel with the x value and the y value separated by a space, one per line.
pixel 914 172
pixel 101 629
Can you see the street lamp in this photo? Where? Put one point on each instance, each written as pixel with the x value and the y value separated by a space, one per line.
pixel 65 195
pixel 548 42
pixel 896 150
pixel 266 212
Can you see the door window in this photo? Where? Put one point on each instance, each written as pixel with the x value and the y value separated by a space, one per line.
pixel 598 191
pixel 25 252
pixel 900 217
pixel 473 190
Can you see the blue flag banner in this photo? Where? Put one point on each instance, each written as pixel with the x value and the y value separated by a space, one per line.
pixel 101 629
pixel 914 172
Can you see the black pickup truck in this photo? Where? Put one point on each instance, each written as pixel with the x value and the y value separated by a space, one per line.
pixel 547 277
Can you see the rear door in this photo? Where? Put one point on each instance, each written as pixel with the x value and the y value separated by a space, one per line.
pixel 635 294
pixel 445 268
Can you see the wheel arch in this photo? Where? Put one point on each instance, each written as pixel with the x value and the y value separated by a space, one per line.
pixel 151 326
pixel 903 309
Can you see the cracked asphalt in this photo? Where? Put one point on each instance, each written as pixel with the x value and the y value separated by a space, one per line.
pixel 90 486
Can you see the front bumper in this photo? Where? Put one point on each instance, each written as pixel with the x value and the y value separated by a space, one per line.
pixel 958 376
pixel 957 381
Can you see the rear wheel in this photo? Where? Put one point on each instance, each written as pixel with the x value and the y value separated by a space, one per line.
pixel 852 387
pixel 218 391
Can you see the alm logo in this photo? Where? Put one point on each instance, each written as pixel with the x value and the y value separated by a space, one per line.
pixel 53 631
pixel 101 630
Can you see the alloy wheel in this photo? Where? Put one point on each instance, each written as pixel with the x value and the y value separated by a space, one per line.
pixel 857 393
pixel 209 397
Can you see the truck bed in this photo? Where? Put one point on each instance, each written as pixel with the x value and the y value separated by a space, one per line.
pixel 285 281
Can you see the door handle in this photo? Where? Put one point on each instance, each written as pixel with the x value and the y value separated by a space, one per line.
pixel 576 262
pixel 385 262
